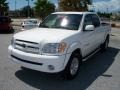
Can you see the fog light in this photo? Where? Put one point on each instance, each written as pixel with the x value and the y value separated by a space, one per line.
pixel 51 67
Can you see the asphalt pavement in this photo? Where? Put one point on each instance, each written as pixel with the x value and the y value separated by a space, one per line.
pixel 101 72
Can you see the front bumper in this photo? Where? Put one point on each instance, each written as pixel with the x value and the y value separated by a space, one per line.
pixel 37 62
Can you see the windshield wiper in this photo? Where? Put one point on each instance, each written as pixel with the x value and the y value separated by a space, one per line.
pixel 62 27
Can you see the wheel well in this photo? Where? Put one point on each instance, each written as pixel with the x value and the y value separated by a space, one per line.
pixel 77 51
pixel 108 36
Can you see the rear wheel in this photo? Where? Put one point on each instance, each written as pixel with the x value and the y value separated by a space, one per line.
pixel 104 46
pixel 73 66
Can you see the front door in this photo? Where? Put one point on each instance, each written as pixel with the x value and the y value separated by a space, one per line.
pixel 88 37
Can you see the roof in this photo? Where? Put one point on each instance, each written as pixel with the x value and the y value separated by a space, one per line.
pixel 33 19
pixel 73 13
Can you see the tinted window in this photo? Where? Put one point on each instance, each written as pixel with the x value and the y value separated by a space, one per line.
pixel 96 21
pixel 88 20
pixel 65 21
pixel 4 19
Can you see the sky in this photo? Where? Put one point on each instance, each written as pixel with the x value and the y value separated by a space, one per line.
pixel 98 5
pixel 107 5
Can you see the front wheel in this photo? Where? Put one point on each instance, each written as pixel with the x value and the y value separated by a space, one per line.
pixel 73 66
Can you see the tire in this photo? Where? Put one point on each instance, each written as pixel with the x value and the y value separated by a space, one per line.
pixel 104 46
pixel 73 66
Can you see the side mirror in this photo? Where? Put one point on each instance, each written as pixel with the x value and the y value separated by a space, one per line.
pixel 89 28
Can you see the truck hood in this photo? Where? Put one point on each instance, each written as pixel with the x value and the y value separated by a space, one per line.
pixel 44 35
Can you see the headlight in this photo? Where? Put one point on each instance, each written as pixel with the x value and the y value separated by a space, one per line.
pixel 54 48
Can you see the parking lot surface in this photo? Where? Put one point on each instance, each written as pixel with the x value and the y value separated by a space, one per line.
pixel 101 72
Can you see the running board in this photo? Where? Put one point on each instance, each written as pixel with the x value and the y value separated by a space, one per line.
pixel 89 56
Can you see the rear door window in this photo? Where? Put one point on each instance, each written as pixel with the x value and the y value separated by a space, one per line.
pixel 96 21
pixel 88 20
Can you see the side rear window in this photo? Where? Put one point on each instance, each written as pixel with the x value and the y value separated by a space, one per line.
pixel 96 21
pixel 88 20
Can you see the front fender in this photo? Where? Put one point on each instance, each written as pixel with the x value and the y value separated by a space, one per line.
pixel 70 50
pixel 73 47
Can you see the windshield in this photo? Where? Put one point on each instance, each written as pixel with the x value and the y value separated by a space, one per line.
pixel 65 21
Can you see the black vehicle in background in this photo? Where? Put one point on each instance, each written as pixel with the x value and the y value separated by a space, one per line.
pixel 5 24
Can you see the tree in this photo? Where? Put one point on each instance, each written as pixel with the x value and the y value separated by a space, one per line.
pixel 3 7
pixel 74 5
pixel 24 11
pixel 29 14
pixel 44 8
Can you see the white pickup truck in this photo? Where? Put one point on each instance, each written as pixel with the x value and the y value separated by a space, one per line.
pixel 61 43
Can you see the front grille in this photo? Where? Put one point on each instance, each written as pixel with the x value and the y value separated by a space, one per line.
pixel 27 46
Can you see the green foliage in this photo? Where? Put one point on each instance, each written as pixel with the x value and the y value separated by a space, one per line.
pixel 44 8
pixel 3 7
pixel 107 15
pixel 74 5
pixel 24 11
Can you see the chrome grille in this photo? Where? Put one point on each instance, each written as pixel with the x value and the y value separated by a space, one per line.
pixel 27 46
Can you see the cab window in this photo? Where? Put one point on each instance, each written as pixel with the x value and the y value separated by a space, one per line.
pixel 96 21
pixel 87 21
